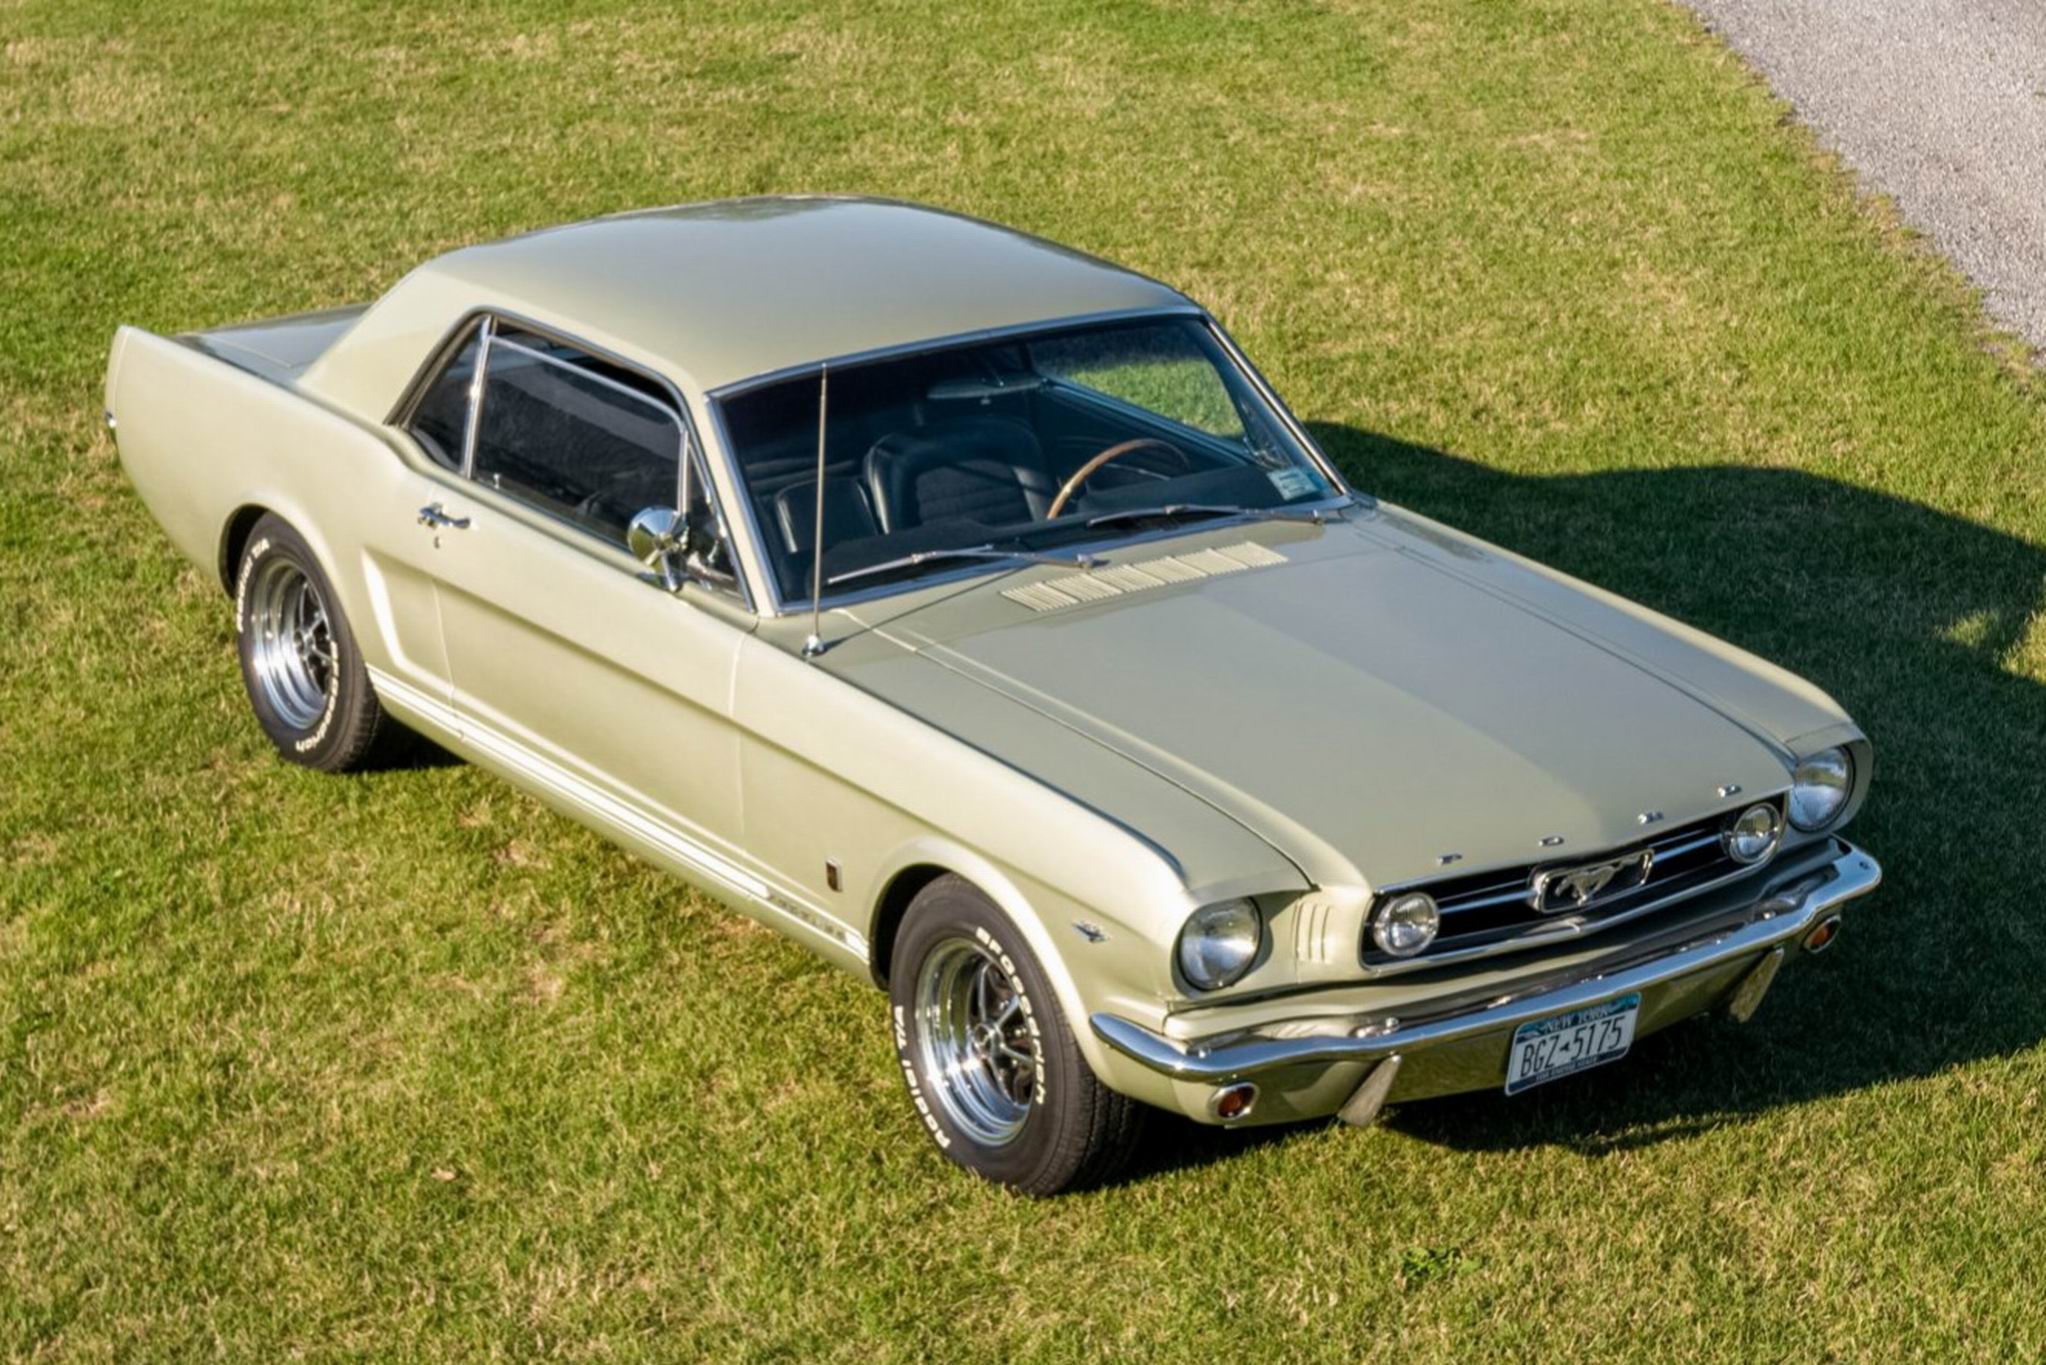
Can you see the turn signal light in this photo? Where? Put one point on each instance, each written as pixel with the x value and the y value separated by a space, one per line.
pixel 1233 1101
pixel 1822 935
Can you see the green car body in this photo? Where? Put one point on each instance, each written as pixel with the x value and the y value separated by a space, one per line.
pixel 1311 712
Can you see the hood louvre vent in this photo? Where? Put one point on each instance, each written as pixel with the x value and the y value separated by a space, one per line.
pixel 1056 594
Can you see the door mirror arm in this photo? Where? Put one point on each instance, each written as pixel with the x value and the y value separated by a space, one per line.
pixel 678 550
pixel 655 538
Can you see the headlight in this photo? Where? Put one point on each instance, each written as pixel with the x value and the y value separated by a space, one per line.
pixel 1818 790
pixel 1406 924
pixel 1753 836
pixel 1219 943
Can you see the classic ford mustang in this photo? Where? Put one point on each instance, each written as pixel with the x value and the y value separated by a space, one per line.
pixel 970 610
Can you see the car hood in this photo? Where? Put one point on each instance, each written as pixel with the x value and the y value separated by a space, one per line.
pixel 1375 696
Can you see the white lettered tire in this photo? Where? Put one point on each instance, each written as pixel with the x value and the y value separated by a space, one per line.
pixel 305 677
pixel 994 1075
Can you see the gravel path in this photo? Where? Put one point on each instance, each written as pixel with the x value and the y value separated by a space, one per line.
pixel 1940 103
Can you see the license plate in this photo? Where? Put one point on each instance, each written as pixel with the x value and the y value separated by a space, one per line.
pixel 1548 1049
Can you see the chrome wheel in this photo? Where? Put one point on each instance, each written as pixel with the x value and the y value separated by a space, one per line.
pixel 292 654
pixel 974 1041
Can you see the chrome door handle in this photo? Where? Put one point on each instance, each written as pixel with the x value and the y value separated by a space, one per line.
pixel 433 515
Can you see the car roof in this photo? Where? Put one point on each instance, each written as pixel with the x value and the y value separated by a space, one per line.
pixel 715 293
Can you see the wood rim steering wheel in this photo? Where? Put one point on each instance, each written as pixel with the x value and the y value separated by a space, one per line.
pixel 1114 452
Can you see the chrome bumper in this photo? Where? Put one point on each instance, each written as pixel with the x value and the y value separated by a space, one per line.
pixel 1464 1051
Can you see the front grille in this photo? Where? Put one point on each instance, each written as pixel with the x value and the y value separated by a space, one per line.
pixel 1483 909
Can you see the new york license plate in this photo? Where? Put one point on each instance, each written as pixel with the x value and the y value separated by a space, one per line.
pixel 1547 1049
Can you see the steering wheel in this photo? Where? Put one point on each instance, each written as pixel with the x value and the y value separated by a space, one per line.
pixel 1114 452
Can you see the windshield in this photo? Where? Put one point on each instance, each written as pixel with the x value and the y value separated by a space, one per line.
pixel 1077 434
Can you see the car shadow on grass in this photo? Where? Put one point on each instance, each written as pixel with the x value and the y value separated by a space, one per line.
pixel 406 750
pixel 1909 617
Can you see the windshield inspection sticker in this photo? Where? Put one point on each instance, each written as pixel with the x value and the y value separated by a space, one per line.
pixel 1291 483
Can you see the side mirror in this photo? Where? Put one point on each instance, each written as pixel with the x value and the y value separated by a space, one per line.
pixel 679 550
pixel 657 538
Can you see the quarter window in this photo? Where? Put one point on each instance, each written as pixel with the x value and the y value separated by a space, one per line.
pixel 440 422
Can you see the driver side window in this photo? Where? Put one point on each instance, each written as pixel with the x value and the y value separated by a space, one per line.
pixel 567 432
pixel 572 435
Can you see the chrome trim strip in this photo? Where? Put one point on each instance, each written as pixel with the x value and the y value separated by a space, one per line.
pixel 605 381
pixel 756 536
pixel 1550 933
pixel 1236 1056
pixel 606 809
pixel 1293 424
pixel 1522 868
pixel 486 336
pixel 1517 891
pixel 1699 842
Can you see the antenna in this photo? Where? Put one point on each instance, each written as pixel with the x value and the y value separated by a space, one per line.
pixel 814 646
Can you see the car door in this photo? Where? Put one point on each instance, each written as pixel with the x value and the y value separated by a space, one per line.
pixel 570 670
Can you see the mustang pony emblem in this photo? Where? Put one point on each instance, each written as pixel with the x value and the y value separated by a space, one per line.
pixel 1573 888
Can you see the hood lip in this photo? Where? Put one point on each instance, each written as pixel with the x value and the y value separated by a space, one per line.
pixel 1130 748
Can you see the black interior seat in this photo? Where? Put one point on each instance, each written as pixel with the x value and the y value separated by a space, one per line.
pixel 847 517
pixel 988 470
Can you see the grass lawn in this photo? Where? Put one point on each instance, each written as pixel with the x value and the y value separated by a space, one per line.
pixel 404 1066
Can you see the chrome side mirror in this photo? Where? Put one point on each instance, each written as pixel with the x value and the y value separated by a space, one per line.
pixel 657 538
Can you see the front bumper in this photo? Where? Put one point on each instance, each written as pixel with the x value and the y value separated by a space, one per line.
pixel 1315 1067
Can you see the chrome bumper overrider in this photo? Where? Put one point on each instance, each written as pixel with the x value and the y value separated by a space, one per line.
pixel 1691 976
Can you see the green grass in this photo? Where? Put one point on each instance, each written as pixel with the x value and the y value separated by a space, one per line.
pixel 403 1066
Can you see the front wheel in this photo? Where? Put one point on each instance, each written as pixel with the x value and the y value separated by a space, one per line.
pixel 989 1059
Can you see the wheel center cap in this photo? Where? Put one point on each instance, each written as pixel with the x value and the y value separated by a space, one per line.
pixel 982 1037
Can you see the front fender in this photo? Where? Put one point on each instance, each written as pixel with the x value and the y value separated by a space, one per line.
pixel 1125 965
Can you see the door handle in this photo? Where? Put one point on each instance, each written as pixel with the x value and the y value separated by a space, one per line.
pixel 433 515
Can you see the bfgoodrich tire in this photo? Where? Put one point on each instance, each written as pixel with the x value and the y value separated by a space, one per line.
pixel 304 674
pixel 989 1058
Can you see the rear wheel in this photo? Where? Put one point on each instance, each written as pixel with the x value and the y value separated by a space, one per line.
pixel 990 1061
pixel 304 675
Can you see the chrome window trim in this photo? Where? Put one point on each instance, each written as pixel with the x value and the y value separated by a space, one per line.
pixel 779 606
pixel 1293 424
pixel 757 562
pixel 637 396
pixel 485 319
pixel 486 335
pixel 947 342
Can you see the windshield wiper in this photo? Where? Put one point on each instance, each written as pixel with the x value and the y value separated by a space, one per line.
pixel 1180 511
pixel 910 561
